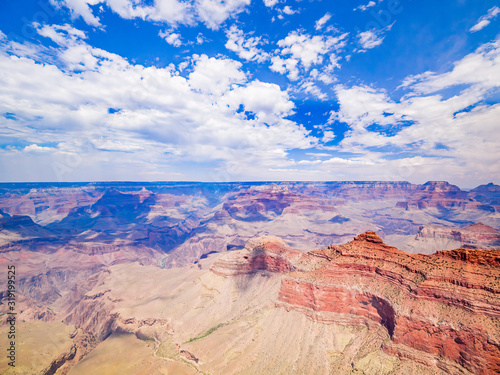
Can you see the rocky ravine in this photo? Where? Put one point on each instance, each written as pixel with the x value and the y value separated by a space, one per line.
pixel 359 308
pixel 441 310
pixel 184 221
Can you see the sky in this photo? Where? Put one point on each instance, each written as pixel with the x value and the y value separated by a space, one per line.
pixel 250 90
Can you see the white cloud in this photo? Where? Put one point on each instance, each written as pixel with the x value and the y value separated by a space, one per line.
pixel 211 12
pixel 80 8
pixel 481 69
pixel 215 76
pixel 342 161
pixel 362 106
pixel 171 38
pixel 328 136
pixel 306 49
pixel 214 12
pixel 486 19
pixel 366 7
pixel 266 100
pixel 75 54
pixel 288 10
pixel 112 145
pixel 63 35
pixel 159 118
pixel 309 162
pixel 200 39
pixel 283 66
pixel 36 148
pixel 322 21
pixel 454 135
pixel 271 3
pixel 370 39
pixel 299 56
pixel 309 87
pixel 318 154
pixel 245 46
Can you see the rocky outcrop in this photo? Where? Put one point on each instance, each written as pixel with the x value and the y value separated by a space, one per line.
pixel 475 236
pixel 44 202
pixel 487 194
pixel 263 254
pixel 187 220
pixel 444 306
pixel 441 194
pixel 189 356
pixel 60 361
pixel 21 229
pixel 437 194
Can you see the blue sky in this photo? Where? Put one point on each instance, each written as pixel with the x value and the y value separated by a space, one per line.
pixel 234 90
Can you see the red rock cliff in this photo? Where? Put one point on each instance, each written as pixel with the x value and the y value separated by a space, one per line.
pixel 442 310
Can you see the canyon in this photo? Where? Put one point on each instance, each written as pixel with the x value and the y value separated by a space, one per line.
pixel 254 278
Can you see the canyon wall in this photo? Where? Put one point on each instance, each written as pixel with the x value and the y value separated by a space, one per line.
pixel 446 306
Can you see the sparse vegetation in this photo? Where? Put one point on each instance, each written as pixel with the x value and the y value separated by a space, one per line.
pixel 211 330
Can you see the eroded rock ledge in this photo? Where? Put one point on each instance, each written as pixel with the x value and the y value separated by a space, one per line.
pixel 442 310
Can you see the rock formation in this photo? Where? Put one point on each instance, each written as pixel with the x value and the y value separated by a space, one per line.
pixel 360 307
pixel 438 237
pixel 188 220
pixel 474 236
pixel 441 310
pixel 103 257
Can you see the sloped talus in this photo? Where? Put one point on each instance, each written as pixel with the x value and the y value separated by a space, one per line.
pixel 441 310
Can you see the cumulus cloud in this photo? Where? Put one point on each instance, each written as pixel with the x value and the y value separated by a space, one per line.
pixel 96 105
pixel 271 3
pixel 246 47
pixel 370 39
pixel 343 161
pixel 456 134
pixel 328 136
pixel 283 66
pixel 309 87
pixel 80 8
pixel 171 38
pixel 215 76
pixel 486 19
pixel 303 50
pixel 60 34
pixel 75 55
pixel 288 10
pixel 214 12
pixel 266 100
pixel 211 12
pixel 113 145
pixel 171 11
pixel 308 50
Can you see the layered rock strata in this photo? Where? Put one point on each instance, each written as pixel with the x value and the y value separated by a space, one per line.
pixel 473 236
pixel 441 310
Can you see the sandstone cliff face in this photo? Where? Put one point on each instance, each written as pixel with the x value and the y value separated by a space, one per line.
pixel 488 194
pixel 361 307
pixel 44 204
pixel 442 310
pixel 441 194
pixel 188 220
pixel 475 236
pixel 262 254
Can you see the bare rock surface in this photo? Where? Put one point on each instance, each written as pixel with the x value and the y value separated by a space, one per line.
pixel 363 306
